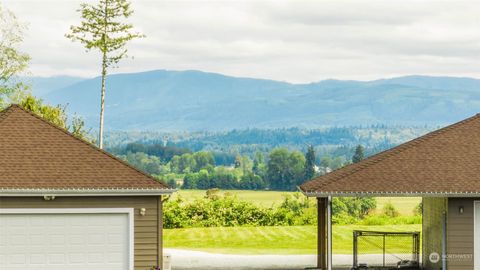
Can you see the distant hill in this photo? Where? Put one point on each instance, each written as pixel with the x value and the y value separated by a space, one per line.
pixel 44 85
pixel 195 100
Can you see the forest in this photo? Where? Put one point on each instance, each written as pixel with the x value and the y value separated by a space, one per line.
pixel 252 159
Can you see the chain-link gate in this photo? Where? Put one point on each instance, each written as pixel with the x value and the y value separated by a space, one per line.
pixel 386 250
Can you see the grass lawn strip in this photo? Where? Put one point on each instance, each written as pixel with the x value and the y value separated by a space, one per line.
pixel 269 240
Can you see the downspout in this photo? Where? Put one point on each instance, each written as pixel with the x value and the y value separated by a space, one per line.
pixel 444 237
pixel 160 232
pixel 160 255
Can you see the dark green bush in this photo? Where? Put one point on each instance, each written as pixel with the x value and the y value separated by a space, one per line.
pixel 418 211
pixel 348 210
pixel 228 211
pixel 389 210
pixel 217 210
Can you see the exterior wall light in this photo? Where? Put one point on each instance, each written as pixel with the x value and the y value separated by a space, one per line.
pixel 461 210
pixel 48 198
pixel 143 211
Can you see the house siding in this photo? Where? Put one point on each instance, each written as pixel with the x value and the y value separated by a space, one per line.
pixel 460 233
pixel 147 244
pixel 433 219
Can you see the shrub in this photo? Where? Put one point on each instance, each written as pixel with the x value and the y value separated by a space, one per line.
pixel 418 210
pixel 348 210
pixel 251 181
pixel 389 210
pixel 172 183
pixel 343 219
pixel 217 210
pixel 227 211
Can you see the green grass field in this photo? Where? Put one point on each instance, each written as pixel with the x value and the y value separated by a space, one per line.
pixel 274 240
pixel 404 206
pixel 267 240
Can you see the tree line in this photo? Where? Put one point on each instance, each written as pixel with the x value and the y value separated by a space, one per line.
pixel 280 169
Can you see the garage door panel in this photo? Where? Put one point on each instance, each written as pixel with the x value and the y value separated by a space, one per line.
pixel 71 241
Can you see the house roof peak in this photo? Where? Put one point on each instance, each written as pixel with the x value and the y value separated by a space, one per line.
pixel 443 161
pixel 38 155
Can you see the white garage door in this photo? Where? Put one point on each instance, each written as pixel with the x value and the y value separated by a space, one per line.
pixel 59 240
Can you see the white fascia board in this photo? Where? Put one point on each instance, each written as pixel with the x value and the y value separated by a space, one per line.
pixel 84 192
pixel 392 194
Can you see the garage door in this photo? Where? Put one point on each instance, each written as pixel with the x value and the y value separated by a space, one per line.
pixel 57 239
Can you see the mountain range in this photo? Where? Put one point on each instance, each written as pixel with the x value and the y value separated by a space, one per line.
pixel 201 101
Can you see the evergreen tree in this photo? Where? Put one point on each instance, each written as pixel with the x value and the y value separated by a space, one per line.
pixel 359 154
pixel 309 171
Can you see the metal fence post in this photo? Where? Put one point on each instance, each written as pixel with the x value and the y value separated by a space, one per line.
pixel 384 251
pixel 355 250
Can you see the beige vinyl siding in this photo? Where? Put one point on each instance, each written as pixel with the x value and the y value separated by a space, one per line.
pixel 433 218
pixel 146 246
pixel 460 233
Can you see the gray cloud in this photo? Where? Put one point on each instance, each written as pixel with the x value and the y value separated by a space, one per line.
pixel 298 41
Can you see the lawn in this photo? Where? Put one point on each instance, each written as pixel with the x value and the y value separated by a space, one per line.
pixel 405 206
pixel 267 240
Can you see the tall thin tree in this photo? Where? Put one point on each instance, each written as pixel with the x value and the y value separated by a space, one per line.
pixel 309 170
pixel 103 28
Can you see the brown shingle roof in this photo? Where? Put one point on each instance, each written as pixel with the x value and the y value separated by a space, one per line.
pixel 445 161
pixel 38 155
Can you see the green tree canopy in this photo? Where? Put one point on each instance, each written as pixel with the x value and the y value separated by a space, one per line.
pixel 204 160
pixel 258 166
pixel 55 115
pixel 12 61
pixel 285 169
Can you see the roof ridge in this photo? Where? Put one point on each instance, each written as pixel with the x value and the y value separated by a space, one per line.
pixel 356 167
pixel 12 106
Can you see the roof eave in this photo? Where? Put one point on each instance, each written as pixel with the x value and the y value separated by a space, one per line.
pixel 83 192
pixel 390 194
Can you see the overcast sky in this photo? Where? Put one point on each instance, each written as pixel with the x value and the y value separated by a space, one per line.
pixel 296 41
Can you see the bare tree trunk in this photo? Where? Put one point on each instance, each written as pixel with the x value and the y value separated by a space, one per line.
pixel 102 100
pixel 104 76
